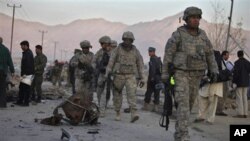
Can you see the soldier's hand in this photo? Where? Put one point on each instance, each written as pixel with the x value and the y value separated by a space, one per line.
pixel 234 86
pixel 164 79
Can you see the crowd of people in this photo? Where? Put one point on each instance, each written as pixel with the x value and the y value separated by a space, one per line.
pixel 199 71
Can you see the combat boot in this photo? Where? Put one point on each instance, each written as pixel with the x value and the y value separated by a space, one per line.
pixel 134 116
pixel 145 106
pixel 156 108
pixel 118 116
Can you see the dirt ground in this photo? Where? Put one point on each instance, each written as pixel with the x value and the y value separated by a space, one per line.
pixel 18 124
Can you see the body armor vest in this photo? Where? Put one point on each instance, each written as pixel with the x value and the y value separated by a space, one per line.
pixel 190 54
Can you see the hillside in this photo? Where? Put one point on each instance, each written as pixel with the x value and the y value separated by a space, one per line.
pixel 153 33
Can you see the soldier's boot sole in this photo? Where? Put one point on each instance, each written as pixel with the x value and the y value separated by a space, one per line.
pixel 134 118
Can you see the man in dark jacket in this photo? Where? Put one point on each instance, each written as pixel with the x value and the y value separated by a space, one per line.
pixel 225 65
pixel 241 80
pixel 27 68
pixel 154 77
pixel 5 64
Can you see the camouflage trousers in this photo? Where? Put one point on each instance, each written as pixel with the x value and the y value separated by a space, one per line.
pixel 36 87
pixel 56 79
pixel 186 91
pixel 102 93
pixel 129 81
pixel 83 88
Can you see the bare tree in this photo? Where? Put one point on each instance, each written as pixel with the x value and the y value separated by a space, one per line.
pixel 218 30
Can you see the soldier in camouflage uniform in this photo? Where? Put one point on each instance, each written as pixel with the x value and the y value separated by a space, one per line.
pixel 84 71
pixel 39 64
pixel 126 60
pixel 77 53
pixel 99 64
pixel 191 53
pixel 56 73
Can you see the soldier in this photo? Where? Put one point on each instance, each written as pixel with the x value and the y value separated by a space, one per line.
pixel 56 73
pixel 113 45
pixel 99 64
pixel 84 71
pixel 5 65
pixel 154 77
pixel 126 61
pixel 77 53
pixel 39 64
pixel 191 53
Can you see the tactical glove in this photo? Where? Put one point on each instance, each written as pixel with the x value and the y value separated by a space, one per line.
pixel 165 78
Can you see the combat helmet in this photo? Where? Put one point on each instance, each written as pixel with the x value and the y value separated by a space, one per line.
pixel 113 43
pixel 77 51
pixel 191 11
pixel 85 44
pixel 128 35
pixel 105 39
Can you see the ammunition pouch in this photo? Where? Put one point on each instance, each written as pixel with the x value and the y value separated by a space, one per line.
pixel 86 71
pixel 85 76
pixel 196 62
pixel 126 69
pixel 183 61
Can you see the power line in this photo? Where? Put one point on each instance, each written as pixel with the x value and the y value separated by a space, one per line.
pixel 12 27
pixel 25 13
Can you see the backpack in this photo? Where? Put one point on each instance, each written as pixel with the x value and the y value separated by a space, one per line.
pixel 225 75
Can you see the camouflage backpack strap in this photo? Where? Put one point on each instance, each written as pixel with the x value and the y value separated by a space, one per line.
pixel 179 47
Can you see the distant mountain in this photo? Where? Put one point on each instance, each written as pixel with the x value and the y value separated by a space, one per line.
pixel 68 36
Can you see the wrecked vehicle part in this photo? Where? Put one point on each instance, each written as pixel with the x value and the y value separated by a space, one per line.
pixel 53 120
pixel 77 110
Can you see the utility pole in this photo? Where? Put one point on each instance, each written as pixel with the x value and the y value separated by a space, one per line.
pixel 55 50
pixel 229 25
pixel 42 31
pixel 61 54
pixel 65 55
pixel 12 27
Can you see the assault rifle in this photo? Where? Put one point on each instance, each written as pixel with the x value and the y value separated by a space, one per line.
pixel 168 99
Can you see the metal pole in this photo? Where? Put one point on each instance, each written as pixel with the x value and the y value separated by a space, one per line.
pixel 55 51
pixel 42 31
pixel 61 54
pixel 12 26
pixel 229 26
